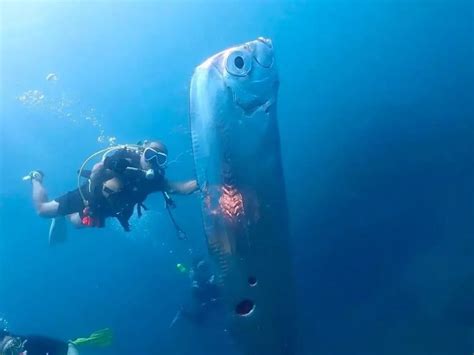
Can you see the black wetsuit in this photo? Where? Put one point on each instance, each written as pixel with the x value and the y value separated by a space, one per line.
pixel 205 297
pixel 71 202
pixel 120 205
pixel 136 186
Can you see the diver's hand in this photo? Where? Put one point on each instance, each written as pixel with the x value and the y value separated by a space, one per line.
pixel 182 188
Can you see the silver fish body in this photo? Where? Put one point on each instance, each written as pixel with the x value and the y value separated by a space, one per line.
pixel 236 146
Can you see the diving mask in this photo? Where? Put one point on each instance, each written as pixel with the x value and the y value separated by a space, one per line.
pixel 154 156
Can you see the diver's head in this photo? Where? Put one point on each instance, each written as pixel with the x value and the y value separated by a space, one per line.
pixel 197 260
pixel 111 187
pixel 154 156
pixel 200 267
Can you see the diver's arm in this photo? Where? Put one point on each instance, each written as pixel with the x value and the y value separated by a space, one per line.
pixel 181 188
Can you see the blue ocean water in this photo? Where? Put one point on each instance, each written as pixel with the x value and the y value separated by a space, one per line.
pixel 376 113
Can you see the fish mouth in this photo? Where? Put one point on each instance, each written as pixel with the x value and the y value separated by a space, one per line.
pixel 252 103
pixel 260 51
pixel 249 107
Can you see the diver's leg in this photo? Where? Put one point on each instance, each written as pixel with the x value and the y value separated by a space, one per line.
pixel 76 220
pixel 44 208
pixel 58 230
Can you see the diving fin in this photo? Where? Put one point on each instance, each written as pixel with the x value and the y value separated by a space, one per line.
pixel 58 230
pixel 101 338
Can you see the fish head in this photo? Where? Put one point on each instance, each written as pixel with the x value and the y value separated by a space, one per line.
pixel 249 73
pixel 233 99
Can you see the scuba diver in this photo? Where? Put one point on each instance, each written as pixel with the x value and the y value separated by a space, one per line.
pixel 118 183
pixel 12 344
pixel 204 293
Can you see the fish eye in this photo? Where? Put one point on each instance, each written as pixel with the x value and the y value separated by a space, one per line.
pixel 239 63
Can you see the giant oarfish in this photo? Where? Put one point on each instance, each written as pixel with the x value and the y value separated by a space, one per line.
pixel 236 145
